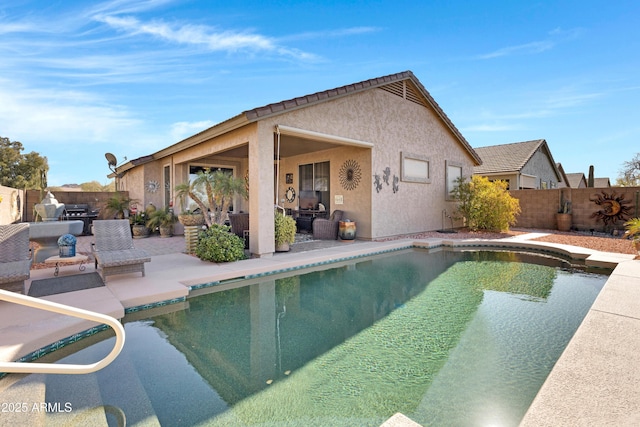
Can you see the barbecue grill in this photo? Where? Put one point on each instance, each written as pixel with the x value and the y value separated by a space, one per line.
pixel 81 212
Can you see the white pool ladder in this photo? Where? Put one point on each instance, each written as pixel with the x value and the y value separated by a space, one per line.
pixel 50 368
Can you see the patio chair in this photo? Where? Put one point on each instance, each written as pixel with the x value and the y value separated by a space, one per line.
pixel 240 226
pixel 239 223
pixel 327 228
pixel 15 256
pixel 113 249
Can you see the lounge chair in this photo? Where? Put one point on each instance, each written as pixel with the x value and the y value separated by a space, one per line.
pixel 113 249
pixel 327 228
pixel 15 256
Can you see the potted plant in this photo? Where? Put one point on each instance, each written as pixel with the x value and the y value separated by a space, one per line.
pixel 163 220
pixel 285 231
pixel 190 218
pixel 564 217
pixel 117 207
pixel 138 222
pixel 632 231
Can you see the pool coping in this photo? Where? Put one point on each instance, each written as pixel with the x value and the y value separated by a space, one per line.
pixel 598 356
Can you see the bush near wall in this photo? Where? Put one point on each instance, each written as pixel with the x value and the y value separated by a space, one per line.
pixel 539 207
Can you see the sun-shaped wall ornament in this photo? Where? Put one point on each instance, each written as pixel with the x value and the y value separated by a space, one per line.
pixel 350 175
pixel 613 207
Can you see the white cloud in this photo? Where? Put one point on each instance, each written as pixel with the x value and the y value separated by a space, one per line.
pixel 527 48
pixel 59 116
pixel 182 130
pixel 555 37
pixel 200 35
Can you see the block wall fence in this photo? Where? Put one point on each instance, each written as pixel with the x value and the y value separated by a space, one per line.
pixel 95 199
pixel 539 207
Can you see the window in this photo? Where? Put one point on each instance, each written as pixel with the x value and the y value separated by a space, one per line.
pixel 314 185
pixel 453 174
pixel 415 168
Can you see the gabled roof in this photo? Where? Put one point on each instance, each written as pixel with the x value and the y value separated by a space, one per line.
pixel 563 175
pixel 574 179
pixel 601 182
pixel 512 157
pixel 417 93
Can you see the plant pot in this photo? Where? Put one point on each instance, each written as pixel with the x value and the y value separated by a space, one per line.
pixel 166 230
pixel 564 221
pixel 139 231
pixel 189 220
pixel 282 247
pixel 347 230
pixel 67 251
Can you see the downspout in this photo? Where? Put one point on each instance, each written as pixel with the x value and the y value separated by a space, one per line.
pixel 277 165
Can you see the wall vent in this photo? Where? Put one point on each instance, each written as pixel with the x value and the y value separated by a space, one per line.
pixel 406 90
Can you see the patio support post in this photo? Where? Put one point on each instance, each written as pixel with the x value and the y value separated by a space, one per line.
pixel 261 191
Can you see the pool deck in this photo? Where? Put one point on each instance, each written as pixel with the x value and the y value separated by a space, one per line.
pixel 595 381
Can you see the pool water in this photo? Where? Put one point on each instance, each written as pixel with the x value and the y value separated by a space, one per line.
pixel 447 338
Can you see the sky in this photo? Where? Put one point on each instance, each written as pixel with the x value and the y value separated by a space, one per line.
pixel 79 79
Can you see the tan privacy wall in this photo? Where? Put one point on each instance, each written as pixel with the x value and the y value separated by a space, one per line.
pixel 539 207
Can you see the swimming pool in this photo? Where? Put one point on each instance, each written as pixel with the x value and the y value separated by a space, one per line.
pixel 447 338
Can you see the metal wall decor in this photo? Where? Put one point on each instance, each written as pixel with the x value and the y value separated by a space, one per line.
pixel 290 194
pixel 152 186
pixel 350 175
pixel 613 207
pixel 377 183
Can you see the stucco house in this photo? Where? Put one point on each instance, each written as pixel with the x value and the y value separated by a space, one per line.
pixel 524 165
pixel 380 150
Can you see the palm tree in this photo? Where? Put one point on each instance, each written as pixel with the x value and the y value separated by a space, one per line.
pixel 218 187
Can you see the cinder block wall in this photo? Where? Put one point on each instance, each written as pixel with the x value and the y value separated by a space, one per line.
pixel 539 207
pixel 95 199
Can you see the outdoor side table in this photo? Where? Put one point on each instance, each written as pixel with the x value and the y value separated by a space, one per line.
pixel 58 259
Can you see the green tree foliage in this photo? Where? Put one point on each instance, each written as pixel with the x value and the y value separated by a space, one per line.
pixel 630 173
pixel 213 192
pixel 19 170
pixel 486 205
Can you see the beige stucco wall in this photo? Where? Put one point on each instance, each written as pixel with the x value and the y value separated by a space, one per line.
pixel 11 205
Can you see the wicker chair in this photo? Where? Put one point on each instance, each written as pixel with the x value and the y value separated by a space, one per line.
pixel 327 228
pixel 15 256
pixel 239 223
pixel 240 226
pixel 113 249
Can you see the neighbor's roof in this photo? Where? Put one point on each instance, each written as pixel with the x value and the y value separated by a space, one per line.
pixel 274 109
pixel 510 157
pixel 601 182
pixel 575 179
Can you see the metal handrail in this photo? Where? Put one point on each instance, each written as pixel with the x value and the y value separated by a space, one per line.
pixel 50 368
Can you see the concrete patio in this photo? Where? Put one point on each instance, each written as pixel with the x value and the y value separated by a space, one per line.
pixel 593 383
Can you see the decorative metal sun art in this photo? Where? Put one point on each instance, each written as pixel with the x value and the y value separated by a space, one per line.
pixel 350 175
pixel 613 207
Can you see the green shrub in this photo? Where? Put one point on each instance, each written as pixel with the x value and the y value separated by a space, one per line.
pixel 218 244
pixel 486 205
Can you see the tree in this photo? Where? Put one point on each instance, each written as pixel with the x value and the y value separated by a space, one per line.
pixel 19 170
pixel 486 205
pixel 630 173
pixel 212 191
